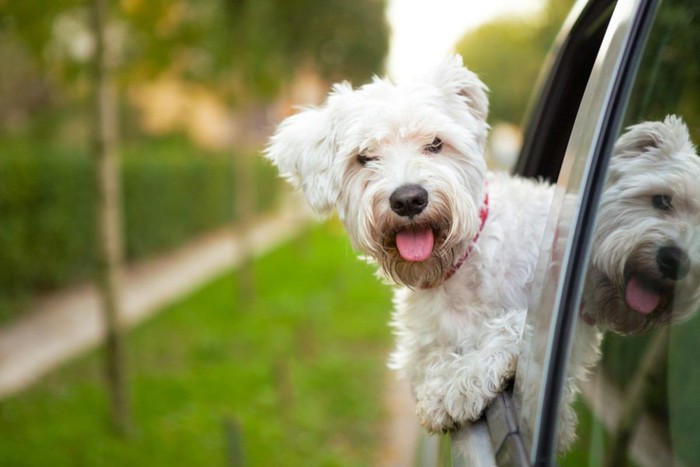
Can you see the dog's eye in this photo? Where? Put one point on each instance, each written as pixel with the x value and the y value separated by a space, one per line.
pixel 364 159
pixel 434 147
pixel 662 202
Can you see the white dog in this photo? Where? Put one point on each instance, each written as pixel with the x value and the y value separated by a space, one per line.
pixel 644 268
pixel 645 264
pixel 403 165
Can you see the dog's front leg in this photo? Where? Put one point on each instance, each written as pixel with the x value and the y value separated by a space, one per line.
pixel 454 386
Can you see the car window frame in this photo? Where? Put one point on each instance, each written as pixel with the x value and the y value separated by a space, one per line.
pixel 583 173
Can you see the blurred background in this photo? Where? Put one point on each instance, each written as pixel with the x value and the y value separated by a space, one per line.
pixel 164 299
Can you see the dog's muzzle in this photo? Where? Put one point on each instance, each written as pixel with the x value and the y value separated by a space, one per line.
pixel 646 291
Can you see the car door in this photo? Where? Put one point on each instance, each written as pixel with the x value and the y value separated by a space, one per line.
pixel 546 385
pixel 611 68
pixel 639 404
pixel 605 379
pixel 628 198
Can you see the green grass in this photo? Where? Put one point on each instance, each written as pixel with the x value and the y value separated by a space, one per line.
pixel 300 371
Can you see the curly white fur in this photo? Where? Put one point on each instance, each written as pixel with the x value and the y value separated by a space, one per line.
pixel 457 338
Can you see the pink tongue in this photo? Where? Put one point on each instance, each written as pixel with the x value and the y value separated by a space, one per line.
pixel 415 245
pixel 640 298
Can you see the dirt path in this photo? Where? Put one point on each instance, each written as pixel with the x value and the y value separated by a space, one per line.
pixel 400 428
pixel 69 322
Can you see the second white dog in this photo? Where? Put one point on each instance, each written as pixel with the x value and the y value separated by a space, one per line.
pixel 645 266
pixel 403 165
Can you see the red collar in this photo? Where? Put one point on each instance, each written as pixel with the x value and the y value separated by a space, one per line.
pixel 483 215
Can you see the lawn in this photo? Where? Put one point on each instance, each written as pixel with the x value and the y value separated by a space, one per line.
pixel 300 371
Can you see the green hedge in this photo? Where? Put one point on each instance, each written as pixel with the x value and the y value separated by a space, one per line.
pixel 171 193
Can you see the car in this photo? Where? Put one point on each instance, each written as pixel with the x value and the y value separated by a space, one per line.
pixel 614 64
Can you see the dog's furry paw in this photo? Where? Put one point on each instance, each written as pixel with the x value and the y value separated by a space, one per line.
pixel 433 416
pixel 467 407
pixel 441 410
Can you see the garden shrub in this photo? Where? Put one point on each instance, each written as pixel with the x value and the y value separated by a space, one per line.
pixel 171 193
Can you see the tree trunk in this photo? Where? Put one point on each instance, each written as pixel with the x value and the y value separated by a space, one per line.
pixel 109 238
pixel 244 208
pixel 243 184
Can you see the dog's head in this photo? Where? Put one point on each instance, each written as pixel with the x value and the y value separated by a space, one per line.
pixel 645 266
pixel 402 163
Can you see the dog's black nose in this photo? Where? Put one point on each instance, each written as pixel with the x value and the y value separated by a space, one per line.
pixel 409 200
pixel 673 262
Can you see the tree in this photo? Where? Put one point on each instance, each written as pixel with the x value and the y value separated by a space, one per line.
pixel 110 249
pixel 508 53
pixel 271 41
pixel 661 86
pixel 192 41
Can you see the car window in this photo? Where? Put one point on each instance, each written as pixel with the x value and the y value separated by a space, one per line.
pixel 536 395
pixel 548 127
pixel 546 387
pixel 637 337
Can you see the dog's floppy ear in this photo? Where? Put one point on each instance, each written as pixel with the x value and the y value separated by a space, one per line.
pixel 303 149
pixel 669 136
pixel 454 78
